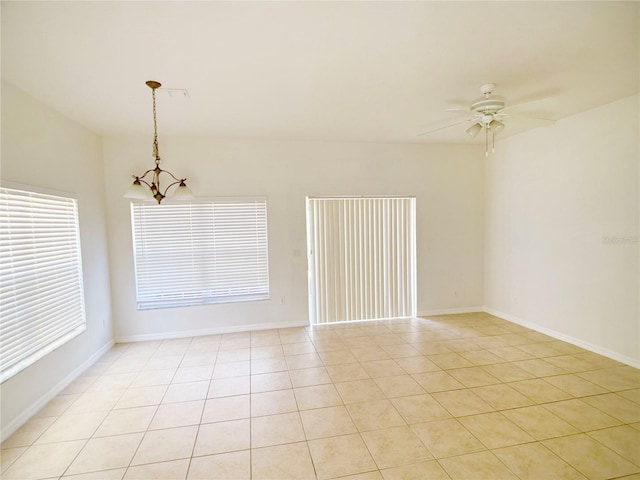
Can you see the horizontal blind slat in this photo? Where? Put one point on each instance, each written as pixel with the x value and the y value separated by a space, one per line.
pixel 200 252
pixel 41 291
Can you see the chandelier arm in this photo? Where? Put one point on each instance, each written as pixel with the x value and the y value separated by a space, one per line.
pixel 145 174
pixel 143 181
pixel 178 181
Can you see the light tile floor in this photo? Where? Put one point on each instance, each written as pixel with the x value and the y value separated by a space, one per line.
pixel 450 397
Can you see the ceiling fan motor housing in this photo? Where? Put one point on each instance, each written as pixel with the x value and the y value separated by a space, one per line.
pixel 487 105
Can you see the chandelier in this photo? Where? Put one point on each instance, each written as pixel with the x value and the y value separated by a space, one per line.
pixel 153 186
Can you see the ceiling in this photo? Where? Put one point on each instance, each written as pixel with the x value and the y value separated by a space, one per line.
pixel 350 71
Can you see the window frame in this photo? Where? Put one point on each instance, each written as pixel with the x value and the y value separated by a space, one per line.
pixel 58 332
pixel 199 297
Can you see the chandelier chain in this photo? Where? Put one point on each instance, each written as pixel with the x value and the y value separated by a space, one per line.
pixel 156 153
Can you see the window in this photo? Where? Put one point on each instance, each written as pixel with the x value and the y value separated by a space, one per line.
pixel 362 258
pixel 200 252
pixel 41 292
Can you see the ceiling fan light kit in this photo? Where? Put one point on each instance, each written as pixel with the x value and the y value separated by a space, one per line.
pixel 485 113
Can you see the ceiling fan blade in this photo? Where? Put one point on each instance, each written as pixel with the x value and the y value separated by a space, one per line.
pixel 443 126
pixel 466 111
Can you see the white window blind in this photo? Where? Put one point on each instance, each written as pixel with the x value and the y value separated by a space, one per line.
pixel 362 258
pixel 200 252
pixel 41 291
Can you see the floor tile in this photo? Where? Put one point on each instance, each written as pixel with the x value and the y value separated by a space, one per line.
pixel 56 406
pixel 113 474
pixel 141 396
pixel 271 403
pixel 502 397
pixel 173 470
pixel 94 402
pixel 437 381
pixel 43 461
pixel 223 437
pixel 186 392
pixel 399 386
pixel 477 466
pixel 192 374
pixel 575 385
pixel 539 422
pixel 473 376
pixel 382 368
pixel 581 415
pixel 224 466
pixel 495 430
pixel 614 379
pixel 374 415
pixel 616 406
pixel 106 453
pixel 317 396
pixel 29 432
pixel 393 392
pixel 623 440
pixel 291 461
pixel 327 422
pixel 540 391
pixel 423 470
pixel 268 365
pixel 232 369
pixel 340 456
pixel 72 427
pixel 228 387
pixel 419 409
pixel 276 429
pixel 226 408
pixel 177 415
pixel 149 378
pixel 165 445
pixel 126 420
pixel 462 402
pixel 533 462
pixel 447 361
pixel 346 373
pixel 270 381
pixel 419 364
pixel 359 391
pixel 394 447
pixel 309 376
pixel 446 438
pixel 590 457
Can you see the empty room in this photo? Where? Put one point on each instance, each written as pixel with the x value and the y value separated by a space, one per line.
pixel 320 240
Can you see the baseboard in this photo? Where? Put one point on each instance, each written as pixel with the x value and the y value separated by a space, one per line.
pixel 449 311
pixel 634 362
pixel 35 407
pixel 208 331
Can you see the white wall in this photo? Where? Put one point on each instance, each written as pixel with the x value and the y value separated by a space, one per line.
pixel 42 148
pixel 447 181
pixel 553 196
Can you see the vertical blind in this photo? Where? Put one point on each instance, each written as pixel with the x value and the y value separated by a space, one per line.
pixel 41 291
pixel 362 256
pixel 200 252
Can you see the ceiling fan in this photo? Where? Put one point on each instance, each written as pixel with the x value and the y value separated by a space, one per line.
pixel 487 113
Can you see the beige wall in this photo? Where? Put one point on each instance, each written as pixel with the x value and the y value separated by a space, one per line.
pixel 554 196
pixel 42 148
pixel 446 180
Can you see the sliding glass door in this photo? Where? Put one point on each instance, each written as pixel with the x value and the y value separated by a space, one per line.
pixel 362 258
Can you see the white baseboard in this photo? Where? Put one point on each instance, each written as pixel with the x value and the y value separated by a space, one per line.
pixel 35 407
pixel 449 311
pixel 634 362
pixel 208 331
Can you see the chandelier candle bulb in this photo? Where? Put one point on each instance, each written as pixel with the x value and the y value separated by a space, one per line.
pixel 136 191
